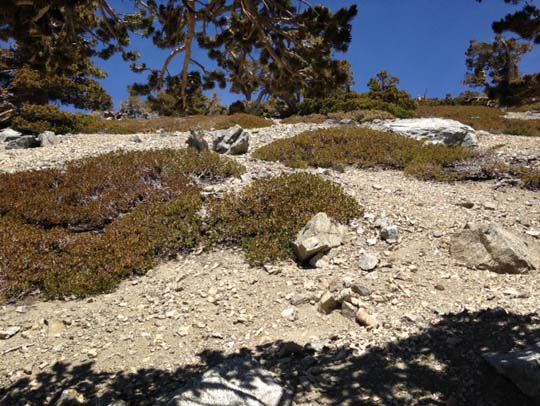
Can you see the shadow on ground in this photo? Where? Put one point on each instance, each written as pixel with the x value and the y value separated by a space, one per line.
pixel 440 366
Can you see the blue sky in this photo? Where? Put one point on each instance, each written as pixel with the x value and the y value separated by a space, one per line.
pixel 423 42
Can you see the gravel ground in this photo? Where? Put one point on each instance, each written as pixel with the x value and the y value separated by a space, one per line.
pixel 435 316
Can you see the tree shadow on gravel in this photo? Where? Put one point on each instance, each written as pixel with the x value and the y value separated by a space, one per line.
pixel 440 366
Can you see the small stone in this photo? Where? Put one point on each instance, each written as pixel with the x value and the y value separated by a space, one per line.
pixel 371 241
pixel 466 204
pixel 290 314
pixel 533 233
pixel 377 187
pixel 439 287
pixel 327 303
pixel 438 234
pixel 390 234
pixel 361 290
pixel 136 139
pixel 365 319
pixel 490 206
pixel 9 332
pixel 55 327
pixel 71 397
pixel 368 262
pixel 183 331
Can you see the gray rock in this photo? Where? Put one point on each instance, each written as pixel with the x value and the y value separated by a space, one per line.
pixel 196 141
pixel 24 142
pixel 521 367
pixel 431 130
pixel 8 134
pixel 136 139
pixel 368 262
pixel 48 139
pixel 390 234
pixel 9 332
pixel 318 236
pixel 233 141
pixel 493 248
pixel 347 121
pixel 361 290
pixel 237 382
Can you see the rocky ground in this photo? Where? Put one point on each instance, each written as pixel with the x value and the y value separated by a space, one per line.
pixel 435 316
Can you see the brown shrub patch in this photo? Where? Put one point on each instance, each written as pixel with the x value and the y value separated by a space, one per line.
pixel 363 148
pixel 483 118
pixel 265 218
pixel 130 126
pixel 81 229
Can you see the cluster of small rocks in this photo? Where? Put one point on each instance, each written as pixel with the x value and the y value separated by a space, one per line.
pixel 16 140
pixel 232 141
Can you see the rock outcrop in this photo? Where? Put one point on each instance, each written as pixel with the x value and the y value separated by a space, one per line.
pixel 318 236
pixel 236 382
pixel 233 141
pixel 521 367
pixel 493 248
pixel 437 131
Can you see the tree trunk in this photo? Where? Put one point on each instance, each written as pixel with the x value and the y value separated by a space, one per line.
pixel 188 50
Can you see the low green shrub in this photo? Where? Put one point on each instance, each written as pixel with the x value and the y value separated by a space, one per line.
pixel 265 218
pixel 82 229
pixel 35 119
pixel 351 103
pixel 363 148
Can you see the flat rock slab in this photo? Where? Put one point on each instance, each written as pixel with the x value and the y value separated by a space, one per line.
pixel 237 382
pixel 521 367
pixel 438 131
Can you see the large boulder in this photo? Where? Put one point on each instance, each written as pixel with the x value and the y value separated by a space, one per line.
pixel 493 248
pixel 233 141
pixel 237 382
pixel 439 131
pixel 24 142
pixel 8 134
pixel 318 236
pixel 521 367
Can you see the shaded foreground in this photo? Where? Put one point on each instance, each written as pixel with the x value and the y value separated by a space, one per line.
pixel 440 365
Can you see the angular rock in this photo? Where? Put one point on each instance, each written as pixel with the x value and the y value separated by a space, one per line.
pixel 48 139
pixel 327 304
pixel 70 397
pixel 9 332
pixel 390 234
pixel 368 262
pixel 491 247
pixel 431 130
pixel 318 236
pixel 290 313
pixel 24 142
pixel 233 141
pixel 196 141
pixel 521 367
pixel 237 382
pixel 136 139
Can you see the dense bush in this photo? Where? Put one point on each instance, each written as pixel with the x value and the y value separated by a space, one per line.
pixel 265 218
pixel 484 118
pixel 363 148
pixel 353 102
pixel 81 229
pixel 35 119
